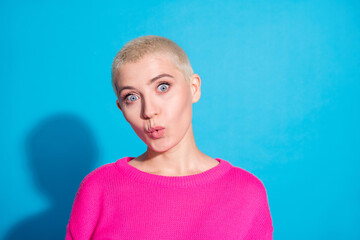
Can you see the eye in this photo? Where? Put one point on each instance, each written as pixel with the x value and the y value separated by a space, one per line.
pixel 132 98
pixel 163 87
pixel 129 98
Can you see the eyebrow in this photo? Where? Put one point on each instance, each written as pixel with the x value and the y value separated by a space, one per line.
pixel 150 82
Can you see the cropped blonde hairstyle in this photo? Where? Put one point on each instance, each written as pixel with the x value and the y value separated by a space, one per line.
pixel 141 46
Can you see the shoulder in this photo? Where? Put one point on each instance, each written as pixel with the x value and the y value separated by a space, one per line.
pixel 89 200
pixel 248 183
pixel 244 175
pixel 98 178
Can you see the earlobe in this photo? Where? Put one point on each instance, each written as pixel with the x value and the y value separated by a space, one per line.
pixel 118 104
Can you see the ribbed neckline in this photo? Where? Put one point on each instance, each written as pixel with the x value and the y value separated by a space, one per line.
pixel 174 181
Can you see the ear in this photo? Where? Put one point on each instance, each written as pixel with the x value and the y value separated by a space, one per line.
pixel 118 104
pixel 195 84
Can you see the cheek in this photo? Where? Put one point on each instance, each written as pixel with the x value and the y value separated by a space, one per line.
pixel 137 127
pixel 132 117
pixel 179 108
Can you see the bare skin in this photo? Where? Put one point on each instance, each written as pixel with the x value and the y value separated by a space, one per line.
pixel 175 153
pixel 199 163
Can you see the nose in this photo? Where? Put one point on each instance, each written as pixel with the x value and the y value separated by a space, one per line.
pixel 149 108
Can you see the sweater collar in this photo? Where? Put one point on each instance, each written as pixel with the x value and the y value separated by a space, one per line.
pixel 205 177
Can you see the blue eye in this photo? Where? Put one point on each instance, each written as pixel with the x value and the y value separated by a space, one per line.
pixel 163 87
pixel 132 98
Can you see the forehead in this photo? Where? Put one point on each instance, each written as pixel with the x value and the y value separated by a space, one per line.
pixel 147 67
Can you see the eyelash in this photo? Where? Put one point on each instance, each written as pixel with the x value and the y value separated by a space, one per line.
pixel 124 98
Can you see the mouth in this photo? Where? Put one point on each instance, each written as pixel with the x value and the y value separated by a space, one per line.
pixel 156 132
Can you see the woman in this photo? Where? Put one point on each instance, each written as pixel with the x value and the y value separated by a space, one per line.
pixel 172 190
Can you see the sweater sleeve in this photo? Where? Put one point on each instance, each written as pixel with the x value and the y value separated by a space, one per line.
pixel 86 210
pixel 261 227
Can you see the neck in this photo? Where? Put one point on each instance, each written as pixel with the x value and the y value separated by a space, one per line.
pixel 183 159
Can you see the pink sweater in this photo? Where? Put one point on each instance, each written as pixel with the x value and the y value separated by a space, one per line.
pixel 118 201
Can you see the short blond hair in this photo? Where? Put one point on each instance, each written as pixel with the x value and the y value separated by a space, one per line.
pixel 141 46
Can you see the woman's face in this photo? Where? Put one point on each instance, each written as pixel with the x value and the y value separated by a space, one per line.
pixel 154 93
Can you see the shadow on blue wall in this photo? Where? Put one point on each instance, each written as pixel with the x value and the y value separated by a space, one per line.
pixel 61 150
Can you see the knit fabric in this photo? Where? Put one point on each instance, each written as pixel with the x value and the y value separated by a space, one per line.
pixel 118 201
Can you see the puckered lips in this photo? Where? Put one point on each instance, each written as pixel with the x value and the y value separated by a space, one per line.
pixel 156 132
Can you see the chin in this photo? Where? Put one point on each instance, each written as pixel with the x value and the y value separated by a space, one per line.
pixel 160 147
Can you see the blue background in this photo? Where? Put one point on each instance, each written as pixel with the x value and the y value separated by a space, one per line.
pixel 280 98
